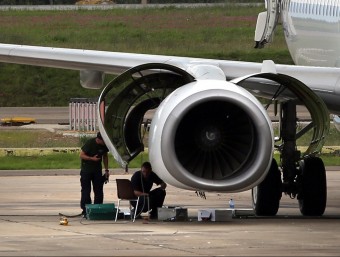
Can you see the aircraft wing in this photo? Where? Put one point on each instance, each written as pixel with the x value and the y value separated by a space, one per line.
pixel 324 80
pixel 191 96
pixel 107 62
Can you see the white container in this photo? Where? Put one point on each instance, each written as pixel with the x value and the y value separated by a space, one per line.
pixel 172 214
pixel 215 215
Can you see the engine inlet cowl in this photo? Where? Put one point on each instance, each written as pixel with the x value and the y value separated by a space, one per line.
pixel 214 139
pixel 211 135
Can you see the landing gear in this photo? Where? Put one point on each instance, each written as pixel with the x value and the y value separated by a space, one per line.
pixel 312 194
pixel 303 176
pixel 267 195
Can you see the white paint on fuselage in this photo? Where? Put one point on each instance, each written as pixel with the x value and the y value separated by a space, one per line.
pixel 311 30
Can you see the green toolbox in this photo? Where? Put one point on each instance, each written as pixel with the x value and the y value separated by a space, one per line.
pixel 105 211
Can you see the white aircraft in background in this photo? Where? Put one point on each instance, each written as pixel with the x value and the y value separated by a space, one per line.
pixel 210 132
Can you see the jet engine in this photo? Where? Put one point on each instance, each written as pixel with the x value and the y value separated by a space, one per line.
pixel 211 135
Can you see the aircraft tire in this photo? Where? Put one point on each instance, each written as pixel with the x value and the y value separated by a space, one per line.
pixel 267 195
pixel 312 195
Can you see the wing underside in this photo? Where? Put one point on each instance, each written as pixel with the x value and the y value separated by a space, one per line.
pixel 323 80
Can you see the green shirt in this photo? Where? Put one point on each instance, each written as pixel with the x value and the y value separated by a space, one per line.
pixel 91 148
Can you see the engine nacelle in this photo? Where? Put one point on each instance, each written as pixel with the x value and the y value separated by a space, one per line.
pixel 211 135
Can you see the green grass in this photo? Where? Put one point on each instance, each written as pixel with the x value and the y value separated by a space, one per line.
pixel 333 138
pixel 53 161
pixel 329 159
pixel 207 32
pixel 17 138
pixel 36 138
pixel 57 161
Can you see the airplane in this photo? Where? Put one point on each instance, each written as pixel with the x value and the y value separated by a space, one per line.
pixel 210 132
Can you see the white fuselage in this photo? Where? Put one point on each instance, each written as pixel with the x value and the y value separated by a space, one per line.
pixel 312 31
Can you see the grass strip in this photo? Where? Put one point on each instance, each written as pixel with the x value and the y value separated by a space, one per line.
pixel 56 161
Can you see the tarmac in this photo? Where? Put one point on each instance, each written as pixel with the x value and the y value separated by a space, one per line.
pixel 30 203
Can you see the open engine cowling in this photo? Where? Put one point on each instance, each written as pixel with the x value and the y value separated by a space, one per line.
pixel 207 134
pixel 211 135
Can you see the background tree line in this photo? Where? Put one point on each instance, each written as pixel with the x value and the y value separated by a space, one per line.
pixel 36 2
pixel 59 2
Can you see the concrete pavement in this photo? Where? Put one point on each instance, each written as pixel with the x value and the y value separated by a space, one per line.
pixel 29 223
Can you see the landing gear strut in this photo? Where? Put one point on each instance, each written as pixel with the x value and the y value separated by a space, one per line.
pixel 304 178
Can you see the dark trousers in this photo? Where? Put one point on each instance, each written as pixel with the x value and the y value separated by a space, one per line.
pixel 156 199
pixel 86 179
